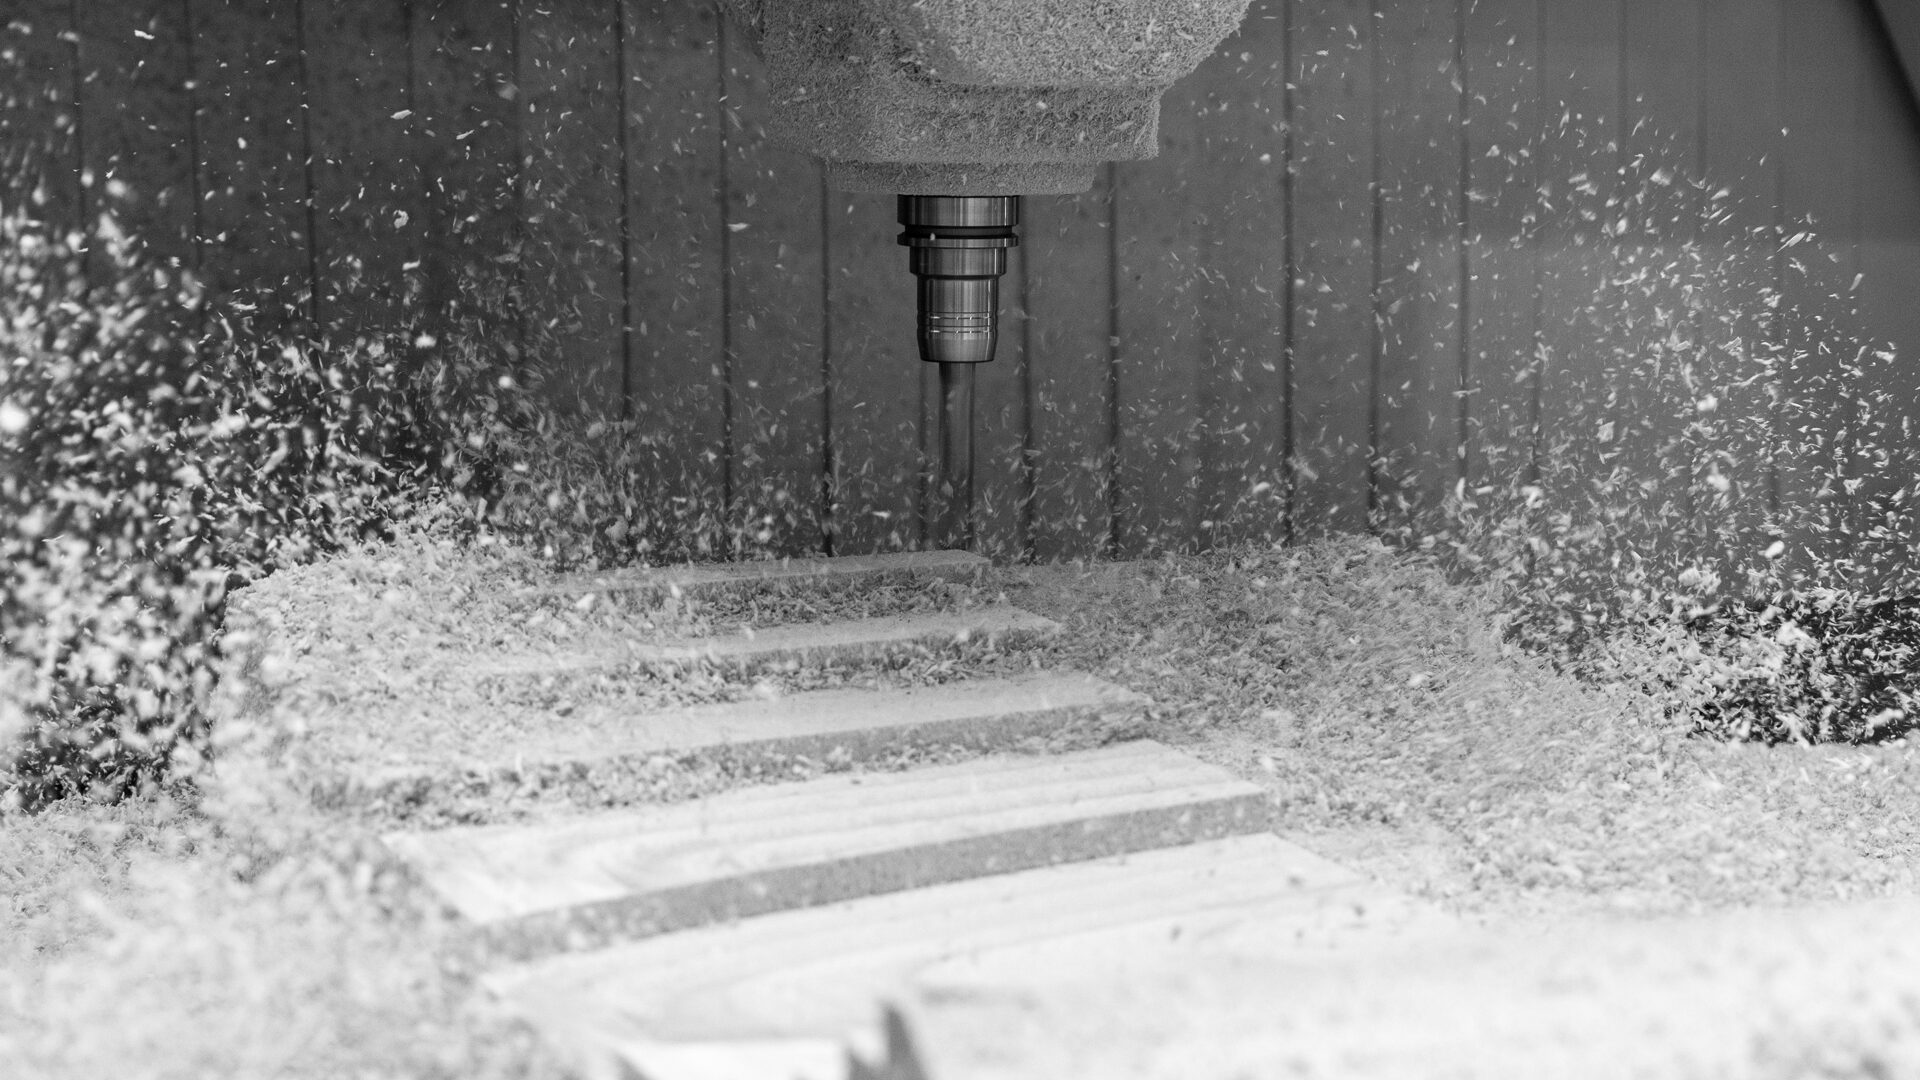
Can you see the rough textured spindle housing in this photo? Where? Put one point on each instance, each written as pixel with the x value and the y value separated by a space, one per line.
pixel 975 97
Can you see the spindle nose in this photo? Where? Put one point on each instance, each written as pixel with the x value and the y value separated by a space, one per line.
pixel 957 248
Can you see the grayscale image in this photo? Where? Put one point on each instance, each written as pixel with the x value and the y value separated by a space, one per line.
pixel 960 539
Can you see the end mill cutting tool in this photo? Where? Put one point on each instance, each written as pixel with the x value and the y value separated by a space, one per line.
pixel 957 248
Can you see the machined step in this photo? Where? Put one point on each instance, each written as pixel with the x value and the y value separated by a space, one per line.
pixel 787 996
pixel 703 580
pixel 583 883
pixel 844 726
pixel 1739 994
pixel 849 641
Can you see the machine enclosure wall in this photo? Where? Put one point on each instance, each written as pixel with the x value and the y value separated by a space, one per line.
pixel 1327 254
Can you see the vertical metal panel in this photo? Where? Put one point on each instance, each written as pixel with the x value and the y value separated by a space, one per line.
pixel 1740 94
pixel 1158 278
pixel 1068 280
pixel 1820 64
pixel 1500 299
pixel 1820 84
pixel 1654 273
pixel 1000 439
pixel 675 257
pixel 1580 150
pixel 467 109
pixel 1740 153
pixel 135 93
pixel 572 201
pixel 256 210
pixel 1202 398
pixel 776 324
pixel 1662 75
pixel 1239 212
pixel 40 107
pixel 1902 21
pixel 1887 146
pixel 876 376
pixel 1332 315
pixel 370 223
pixel 1417 307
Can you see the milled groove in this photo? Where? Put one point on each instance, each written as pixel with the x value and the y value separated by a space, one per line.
pixel 715 992
pixel 701 581
pixel 585 883
pixel 851 641
pixel 611 922
pixel 847 727
pixel 1222 876
pixel 498 872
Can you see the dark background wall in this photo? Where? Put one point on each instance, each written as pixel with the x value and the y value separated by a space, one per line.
pixel 1326 291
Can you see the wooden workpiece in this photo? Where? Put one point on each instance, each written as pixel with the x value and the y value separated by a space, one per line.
pixel 581 883
pixel 721 578
pixel 1749 994
pixel 846 642
pixel 785 996
pixel 847 726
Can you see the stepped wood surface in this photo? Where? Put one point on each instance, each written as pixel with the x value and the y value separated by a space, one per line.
pixel 715 578
pixel 784 996
pixel 1741 995
pixel 538 889
pixel 851 724
pixel 847 641
pixel 975 920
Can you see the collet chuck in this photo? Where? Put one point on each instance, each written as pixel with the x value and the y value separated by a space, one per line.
pixel 957 245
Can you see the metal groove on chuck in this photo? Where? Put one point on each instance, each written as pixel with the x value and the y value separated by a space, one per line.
pixel 958 250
